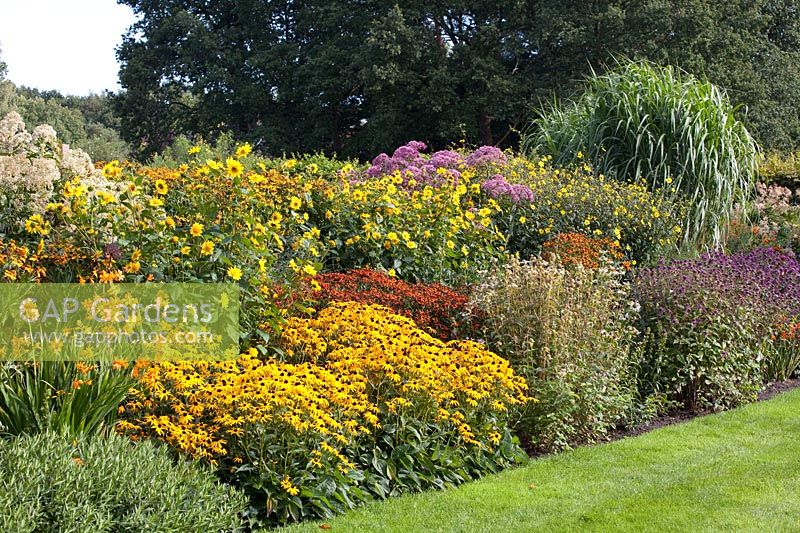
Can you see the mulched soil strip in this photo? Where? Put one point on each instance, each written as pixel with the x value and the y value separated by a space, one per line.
pixel 675 417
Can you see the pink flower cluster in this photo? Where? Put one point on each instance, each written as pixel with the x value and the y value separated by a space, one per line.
pixel 421 170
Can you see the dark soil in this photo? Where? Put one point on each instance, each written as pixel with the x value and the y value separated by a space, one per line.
pixel 673 417
pixel 777 388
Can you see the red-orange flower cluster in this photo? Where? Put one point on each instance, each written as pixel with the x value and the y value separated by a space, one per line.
pixel 435 308
pixel 579 249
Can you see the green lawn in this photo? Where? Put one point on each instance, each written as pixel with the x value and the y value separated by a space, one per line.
pixel 735 471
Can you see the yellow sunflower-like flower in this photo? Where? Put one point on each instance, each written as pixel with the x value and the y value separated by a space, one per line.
pixel 233 167
pixel 196 230
pixel 161 187
pixel 235 273
pixel 244 150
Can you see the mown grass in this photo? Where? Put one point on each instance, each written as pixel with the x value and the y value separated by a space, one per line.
pixel 736 471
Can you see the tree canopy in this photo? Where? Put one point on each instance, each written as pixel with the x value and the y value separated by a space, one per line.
pixel 361 76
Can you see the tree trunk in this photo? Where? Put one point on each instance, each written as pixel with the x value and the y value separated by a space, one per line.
pixel 485 127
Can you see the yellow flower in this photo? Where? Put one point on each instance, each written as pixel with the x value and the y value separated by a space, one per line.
pixel 196 230
pixel 291 490
pixel 275 220
pixel 161 187
pixel 112 169
pixel 233 167
pixel 310 270
pixel 207 248
pixel 194 150
pixel 244 150
pixel 156 202
pixel 185 250
pixel 295 203
pixel 235 273
pixel 37 225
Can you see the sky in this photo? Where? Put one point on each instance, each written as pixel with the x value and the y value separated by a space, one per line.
pixel 66 45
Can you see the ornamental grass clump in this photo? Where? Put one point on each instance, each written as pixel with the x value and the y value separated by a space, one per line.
pixel 709 325
pixel 73 398
pixel 641 121
pixel 569 332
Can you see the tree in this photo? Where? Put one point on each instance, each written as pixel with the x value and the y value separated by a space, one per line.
pixel 3 67
pixel 362 76
pixel 748 47
pixel 298 76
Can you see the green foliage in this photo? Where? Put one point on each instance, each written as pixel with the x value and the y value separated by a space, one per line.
pixel 71 398
pixel 715 366
pixel 782 362
pixel 412 456
pixel 639 121
pixel 3 69
pixel 363 76
pixel 780 169
pixel 570 333
pixel 178 152
pixel 49 482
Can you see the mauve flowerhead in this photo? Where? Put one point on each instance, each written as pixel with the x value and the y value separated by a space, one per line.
pixel 445 159
pixel 112 251
pixel 498 187
pixel 427 171
pixel 408 151
pixel 486 155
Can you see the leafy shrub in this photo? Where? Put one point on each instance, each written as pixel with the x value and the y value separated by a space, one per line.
pixel 366 405
pixel 775 168
pixel 435 308
pixel 538 201
pixel 709 324
pixel 640 121
pixel 68 397
pixel 569 332
pixel 49 482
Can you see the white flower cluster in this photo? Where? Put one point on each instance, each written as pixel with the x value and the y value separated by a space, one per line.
pixel 27 173
pixel 32 163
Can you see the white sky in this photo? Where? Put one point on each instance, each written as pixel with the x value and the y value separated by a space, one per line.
pixel 67 45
